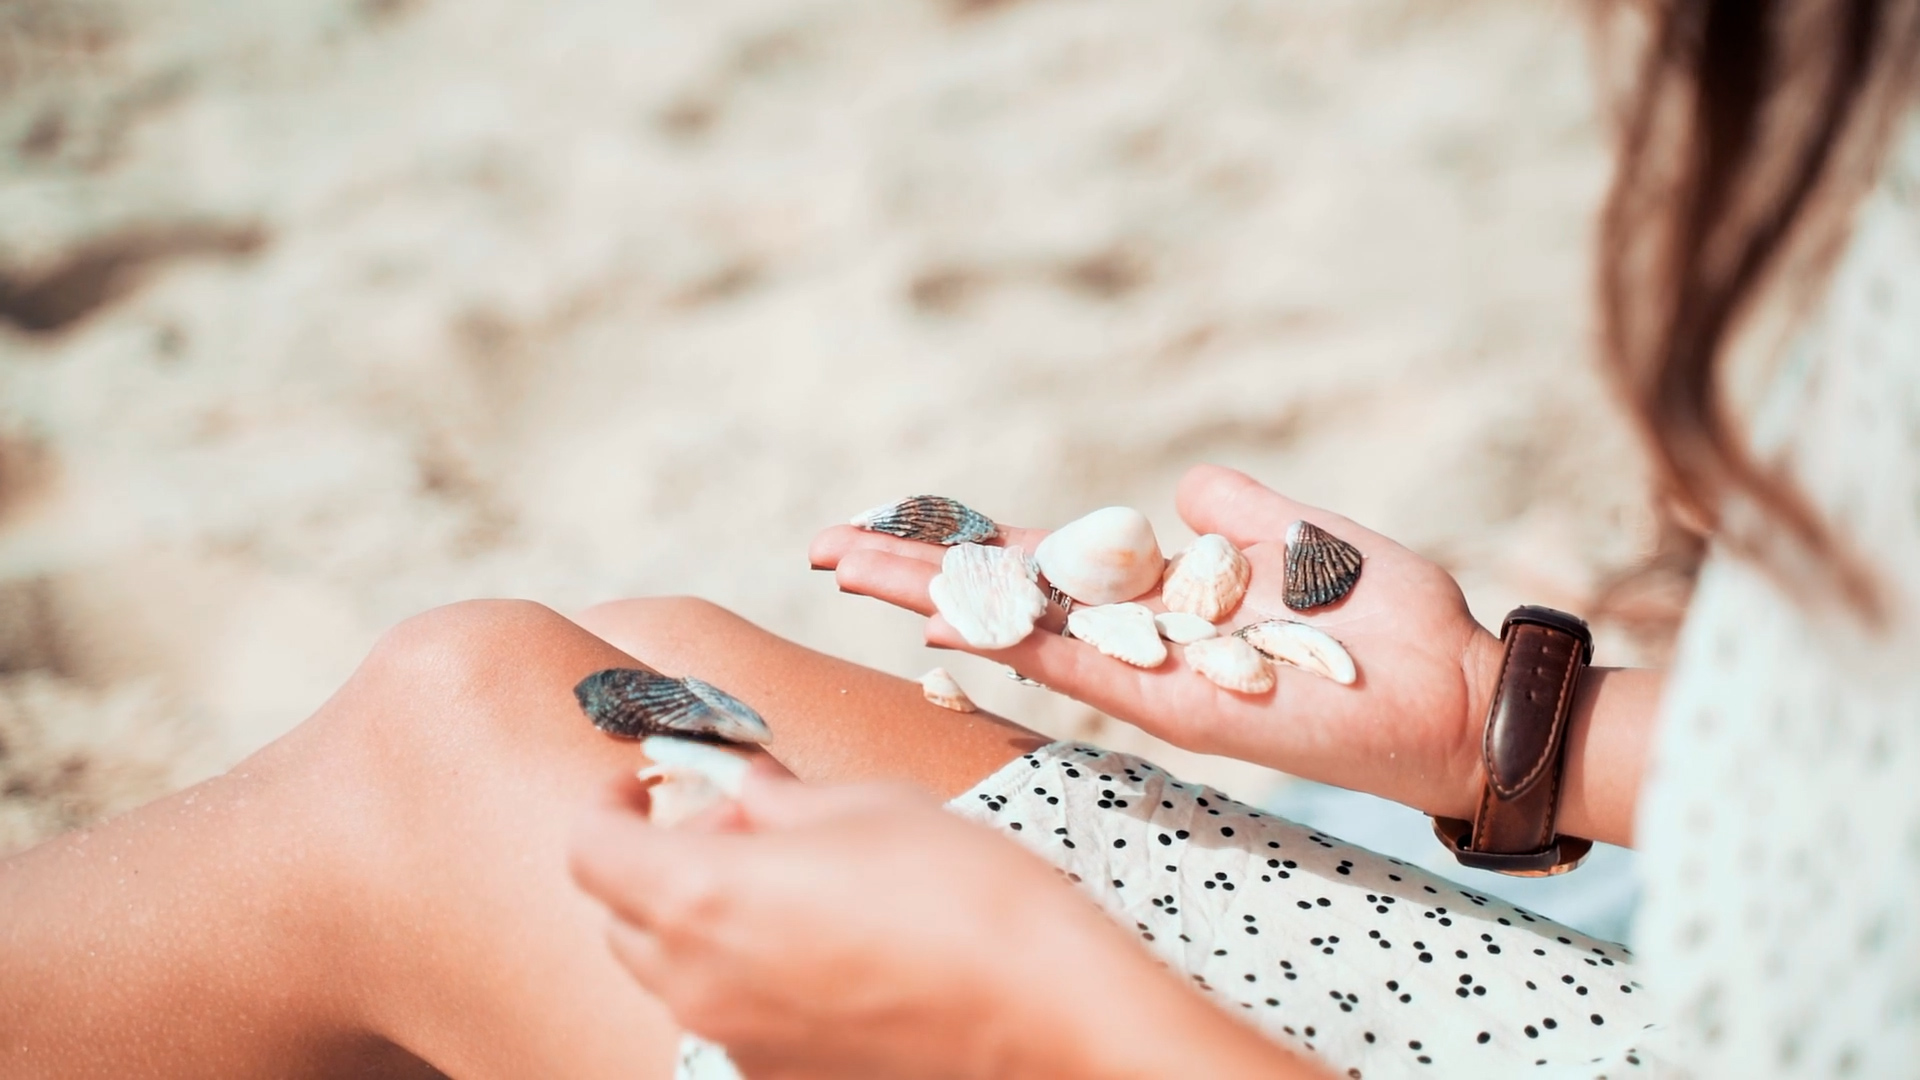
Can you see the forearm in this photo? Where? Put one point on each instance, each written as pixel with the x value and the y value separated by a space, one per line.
pixel 1179 1033
pixel 1127 1017
pixel 1608 741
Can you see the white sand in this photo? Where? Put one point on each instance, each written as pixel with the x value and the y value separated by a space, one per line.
pixel 574 300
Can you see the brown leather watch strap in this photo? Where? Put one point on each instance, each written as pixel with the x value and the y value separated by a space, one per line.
pixel 1524 751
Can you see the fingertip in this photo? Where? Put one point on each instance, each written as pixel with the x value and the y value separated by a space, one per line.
pixel 828 546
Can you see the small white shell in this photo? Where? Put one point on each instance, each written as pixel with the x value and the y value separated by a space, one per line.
pixel 1106 557
pixel 988 594
pixel 1208 579
pixel 676 758
pixel 1182 628
pixel 940 687
pixel 1302 646
pixel 1231 664
pixel 1123 631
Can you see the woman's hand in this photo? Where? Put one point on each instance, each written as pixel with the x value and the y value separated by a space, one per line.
pixel 1407 730
pixel 863 931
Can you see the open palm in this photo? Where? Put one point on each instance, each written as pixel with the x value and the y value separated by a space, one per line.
pixel 1406 730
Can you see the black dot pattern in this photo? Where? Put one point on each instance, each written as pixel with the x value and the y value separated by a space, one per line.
pixel 1368 963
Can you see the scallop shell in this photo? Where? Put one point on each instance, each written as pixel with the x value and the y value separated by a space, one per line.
pixel 988 594
pixel 941 688
pixel 1108 556
pixel 1231 664
pixel 1182 628
pixel 1321 567
pixel 1208 579
pixel 675 757
pixel 933 519
pixel 1123 631
pixel 1302 646
pixel 633 703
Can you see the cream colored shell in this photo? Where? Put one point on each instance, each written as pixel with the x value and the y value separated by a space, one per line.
pixel 1181 628
pixel 1122 631
pixel 1108 556
pixel 1302 646
pixel 1231 664
pixel 1208 579
pixel 988 595
pixel 941 688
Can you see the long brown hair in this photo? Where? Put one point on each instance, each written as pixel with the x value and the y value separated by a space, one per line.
pixel 1750 129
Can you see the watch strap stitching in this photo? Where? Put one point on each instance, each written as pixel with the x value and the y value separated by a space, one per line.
pixel 1550 752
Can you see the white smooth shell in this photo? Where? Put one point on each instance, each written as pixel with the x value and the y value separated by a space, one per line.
pixel 1106 557
pixel 1182 628
pixel 940 687
pixel 1123 631
pixel 1208 579
pixel 676 758
pixel 988 594
pixel 1231 664
pixel 1302 646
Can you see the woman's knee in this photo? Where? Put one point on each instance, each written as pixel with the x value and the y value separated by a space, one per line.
pixel 465 676
pixel 667 631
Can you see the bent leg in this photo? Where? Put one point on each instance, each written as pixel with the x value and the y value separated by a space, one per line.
pixel 832 720
pixel 392 873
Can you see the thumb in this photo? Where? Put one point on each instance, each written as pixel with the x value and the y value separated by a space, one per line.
pixel 1216 499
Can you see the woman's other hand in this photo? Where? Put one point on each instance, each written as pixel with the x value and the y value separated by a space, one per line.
pixel 1407 730
pixel 861 930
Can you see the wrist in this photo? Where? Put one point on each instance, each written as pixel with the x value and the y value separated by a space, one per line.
pixel 1481 664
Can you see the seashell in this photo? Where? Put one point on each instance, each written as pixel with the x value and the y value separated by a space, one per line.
pixel 1231 664
pixel 633 703
pixel 1208 579
pixel 988 594
pixel 1321 567
pixel 1182 628
pixel 944 690
pixel 1125 632
pixel 1302 646
pixel 1106 557
pixel 675 757
pixel 933 519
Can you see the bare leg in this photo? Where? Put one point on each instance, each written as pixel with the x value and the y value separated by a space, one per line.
pixel 386 886
pixel 832 720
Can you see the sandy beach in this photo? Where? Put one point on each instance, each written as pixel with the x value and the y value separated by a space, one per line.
pixel 316 313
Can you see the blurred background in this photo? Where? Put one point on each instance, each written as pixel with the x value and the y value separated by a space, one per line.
pixel 315 313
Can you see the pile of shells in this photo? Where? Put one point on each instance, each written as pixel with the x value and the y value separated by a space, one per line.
pixel 1100 567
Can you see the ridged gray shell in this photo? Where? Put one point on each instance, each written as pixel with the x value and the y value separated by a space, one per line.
pixel 932 519
pixel 1321 567
pixel 634 703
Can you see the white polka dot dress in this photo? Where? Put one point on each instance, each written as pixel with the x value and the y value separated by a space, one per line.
pixel 1376 967
pixel 1780 824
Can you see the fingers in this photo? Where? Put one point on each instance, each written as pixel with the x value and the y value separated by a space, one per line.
pixel 634 868
pixel 640 953
pixel 1216 499
pixel 774 801
pixel 1077 669
pixel 831 545
pixel 897 579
